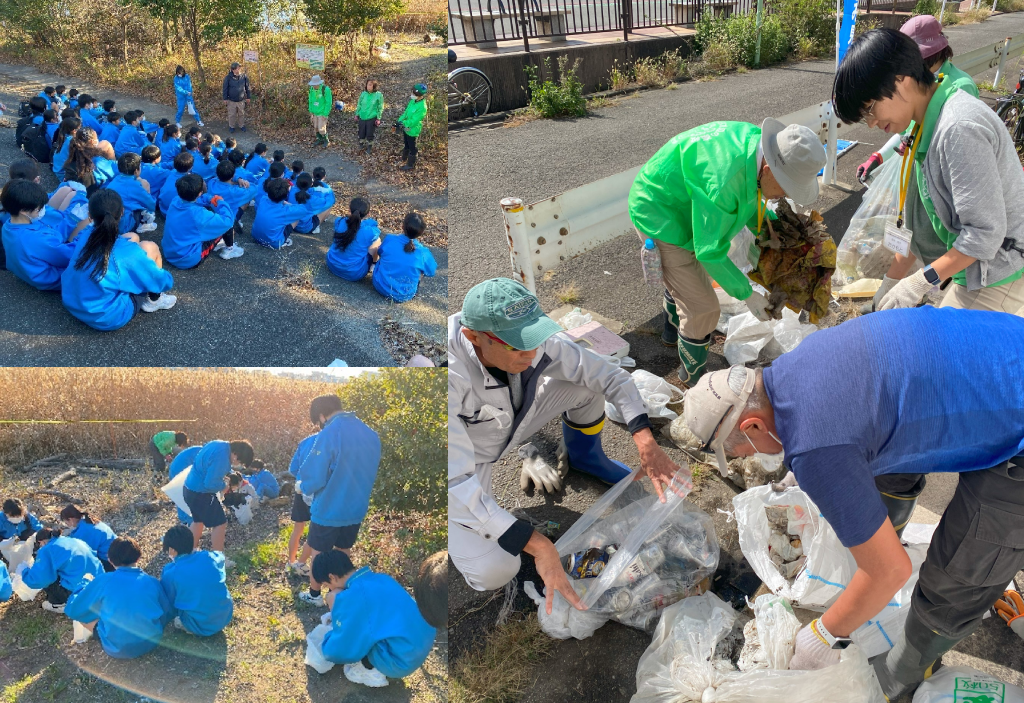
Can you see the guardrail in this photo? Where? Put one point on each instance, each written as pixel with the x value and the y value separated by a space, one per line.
pixel 543 234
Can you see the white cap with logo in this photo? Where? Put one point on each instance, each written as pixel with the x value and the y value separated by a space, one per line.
pixel 713 407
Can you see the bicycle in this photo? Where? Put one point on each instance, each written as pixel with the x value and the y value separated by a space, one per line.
pixel 1010 109
pixel 469 92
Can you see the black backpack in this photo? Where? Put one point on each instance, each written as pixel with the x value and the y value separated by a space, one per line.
pixel 24 109
pixel 33 142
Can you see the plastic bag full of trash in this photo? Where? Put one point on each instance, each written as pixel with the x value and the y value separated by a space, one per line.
pixel 564 621
pixel 657 394
pixel 747 336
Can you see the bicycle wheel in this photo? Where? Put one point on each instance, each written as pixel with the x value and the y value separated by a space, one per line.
pixel 1010 113
pixel 469 93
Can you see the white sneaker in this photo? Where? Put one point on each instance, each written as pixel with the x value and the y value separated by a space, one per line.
pixel 357 673
pixel 298 568
pixel 164 302
pixel 201 124
pixel 50 607
pixel 82 633
pixel 220 245
pixel 228 564
pixel 146 227
pixel 287 243
pixel 178 124
pixel 177 623
pixel 148 217
pixel 316 231
pixel 232 252
pixel 307 597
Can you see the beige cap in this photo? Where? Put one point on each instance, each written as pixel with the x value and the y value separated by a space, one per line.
pixel 795 157
pixel 711 406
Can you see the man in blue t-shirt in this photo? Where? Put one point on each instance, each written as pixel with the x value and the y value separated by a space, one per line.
pixel 866 409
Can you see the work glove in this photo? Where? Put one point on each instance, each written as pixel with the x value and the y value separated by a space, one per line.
pixel 788 481
pixel 883 290
pixel 216 200
pixel 907 292
pixel 812 652
pixel 902 146
pixel 865 169
pixel 538 472
pixel 1011 609
pixel 757 305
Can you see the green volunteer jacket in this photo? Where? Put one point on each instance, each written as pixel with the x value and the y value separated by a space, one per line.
pixel 412 118
pixel 370 106
pixel 697 192
pixel 320 101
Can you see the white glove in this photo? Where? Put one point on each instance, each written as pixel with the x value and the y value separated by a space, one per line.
pixel 811 651
pixel 907 293
pixel 887 284
pixel 788 481
pixel 757 303
pixel 22 568
pixel 538 471
pixel 298 487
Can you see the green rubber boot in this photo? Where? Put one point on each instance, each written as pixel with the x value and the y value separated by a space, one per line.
pixel 670 332
pixel 694 357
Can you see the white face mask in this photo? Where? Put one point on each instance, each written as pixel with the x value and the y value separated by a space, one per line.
pixel 38 214
pixel 16 520
pixel 769 462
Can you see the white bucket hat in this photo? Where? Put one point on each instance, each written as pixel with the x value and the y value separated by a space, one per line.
pixel 712 407
pixel 795 157
pixel 315 80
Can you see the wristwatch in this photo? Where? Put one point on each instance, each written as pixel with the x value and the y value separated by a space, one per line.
pixel 833 642
pixel 931 276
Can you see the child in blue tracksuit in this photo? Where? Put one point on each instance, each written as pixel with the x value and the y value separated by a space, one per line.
pixel 139 205
pixel 153 171
pixel 339 473
pixel 377 630
pixel 316 197
pixel 181 462
pixel 62 140
pixel 17 521
pixel 356 239
pixel 206 165
pixel 170 143
pixel 276 170
pixel 402 260
pixel 131 137
pixel 87 111
pixel 195 584
pixel 62 567
pixel 93 532
pixel 183 94
pixel 207 478
pixel 276 217
pixel 6 588
pixel 36 252
pixel 263 482
pixel 169 190
pixel 257 163
pixel 300 511
pixel 111 129
pixel 198 224
pixel 52 122
pixel 127 608
pixel 237 191
pixel 111 277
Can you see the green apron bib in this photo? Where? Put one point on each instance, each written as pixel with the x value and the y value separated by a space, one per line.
pixel 946 89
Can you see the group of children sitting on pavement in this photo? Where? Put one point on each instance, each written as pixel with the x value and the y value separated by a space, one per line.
pixel 120 173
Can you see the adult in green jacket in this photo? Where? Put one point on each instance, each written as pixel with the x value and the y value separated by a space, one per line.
pixel 697 193
pixel 411 124
pixel 368 113
pixel 320 104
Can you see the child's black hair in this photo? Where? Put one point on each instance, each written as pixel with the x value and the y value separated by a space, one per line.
pixel 50 116
pixel 68 126
pixel 258 465
pixel 72 511
pixel 150 154
pixel 14 507
pixel 325 405
pixel 60 89
pixel 277 190
pixel 124 551
pixel 944 55
pixel 113 117
pixel 230 144
pixel 22 196
pixel 206 151
pixel 68 113
pixel 225 171
pixel 79 165
pixel 25 169
pixel 304 182
pixel 319 174
pixel 234 479
pixel 242 450
pixel 171 132
pixel 184 162
pixel 49 90
pixel 430 589
pixel 130 117
pixel 194 130
pixel 236 157
pixel 257 150
pixel 870 68
pixel 105 209
pixel 163 122
pixel 73 93
pixel 358 209
pixel 179 538
pixel 108 105
pixel 129 163
pixel 84 99
pixel 179 70
pixel 46 534
pixel 332 563
pixel 189 187
pixel 191 144
pixel 38 105
pixel 278 155
pixel 277 169
pixel 297 168
pixel 413 226
pixel 180 438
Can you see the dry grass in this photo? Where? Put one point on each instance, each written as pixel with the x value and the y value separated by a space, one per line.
pixel 975 16
pixel 501 670
pixel 716 60
pixel 569 294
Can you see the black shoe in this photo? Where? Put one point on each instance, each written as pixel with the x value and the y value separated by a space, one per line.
pixel 243 129
pixel 410 165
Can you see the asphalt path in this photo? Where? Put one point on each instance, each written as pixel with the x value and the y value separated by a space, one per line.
pixel 267 308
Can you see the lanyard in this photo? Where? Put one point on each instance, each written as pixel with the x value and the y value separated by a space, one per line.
pixel 760 212
pixel 907 169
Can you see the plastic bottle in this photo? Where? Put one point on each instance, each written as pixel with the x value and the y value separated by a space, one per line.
pixel 650 259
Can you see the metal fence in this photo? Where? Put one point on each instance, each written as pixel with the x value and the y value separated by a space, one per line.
pixel 484 22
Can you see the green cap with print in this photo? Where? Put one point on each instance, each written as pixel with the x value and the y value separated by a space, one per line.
pixel 509 311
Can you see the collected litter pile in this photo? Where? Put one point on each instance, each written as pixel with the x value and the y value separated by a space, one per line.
pixel 693 657
pixel 629 557
pixel 798 258
pixel 785 548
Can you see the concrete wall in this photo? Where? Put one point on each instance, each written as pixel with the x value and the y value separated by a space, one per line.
pixel 596 62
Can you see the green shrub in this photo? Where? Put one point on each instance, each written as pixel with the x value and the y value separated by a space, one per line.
pixel 563 98
pixel 811 19
pixel 926 7
pixel 738 34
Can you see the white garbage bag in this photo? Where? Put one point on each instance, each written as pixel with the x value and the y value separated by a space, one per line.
pixel 746 337
pixel 565 621
pixel 175 490
pixel 244 512
pixel 17 552
pixel 680 665
pixel 880 633
pixel 21 590
pixel 315 643
pixel 656 393
pixel 961 684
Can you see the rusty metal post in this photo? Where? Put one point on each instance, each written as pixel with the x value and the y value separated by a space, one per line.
pixel 517 234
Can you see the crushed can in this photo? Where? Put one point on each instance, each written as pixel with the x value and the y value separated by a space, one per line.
pixel 587 564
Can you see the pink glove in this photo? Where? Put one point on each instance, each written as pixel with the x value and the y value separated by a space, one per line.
pixel 865 169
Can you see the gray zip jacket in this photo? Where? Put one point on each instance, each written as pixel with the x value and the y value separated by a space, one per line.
pixel 976 184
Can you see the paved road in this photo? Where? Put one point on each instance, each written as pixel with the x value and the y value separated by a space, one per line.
pixel 238 312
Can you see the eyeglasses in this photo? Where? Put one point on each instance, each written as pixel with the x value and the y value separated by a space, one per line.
pixel 497 341
pixel 869 114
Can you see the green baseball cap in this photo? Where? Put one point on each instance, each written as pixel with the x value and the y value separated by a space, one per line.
pixel 509 311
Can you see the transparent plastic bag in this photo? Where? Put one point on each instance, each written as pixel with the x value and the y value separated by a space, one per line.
pixel 861 253
pixel 651 387
pixel 315 646
pixel 746 336
pixel 829 565
pixel 662 551
pixel 879 633
pixel 680 665
pixel 962 684
pixel 565 621
pixel 175 490
pixel 21 590
pixel 244 512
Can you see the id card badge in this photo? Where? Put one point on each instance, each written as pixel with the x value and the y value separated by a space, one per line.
pixel 897 239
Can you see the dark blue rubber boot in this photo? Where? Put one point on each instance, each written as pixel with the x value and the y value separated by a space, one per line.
pixel 583 446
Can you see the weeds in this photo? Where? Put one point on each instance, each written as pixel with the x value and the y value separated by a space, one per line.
pixel 926 7
pixel 501 670
pixel 619 78
pixel 557 98
pixel 975 16
pixel 569 294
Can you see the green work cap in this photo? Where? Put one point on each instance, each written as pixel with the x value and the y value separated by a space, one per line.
pixel 419 89
pixel 509 311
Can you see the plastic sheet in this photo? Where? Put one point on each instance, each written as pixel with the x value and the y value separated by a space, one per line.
pixel 574 318
pixel 962 684
pixel 683 664
pixel 175 490
pixel 16 552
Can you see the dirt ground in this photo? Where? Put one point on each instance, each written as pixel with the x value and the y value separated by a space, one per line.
pixel 259 657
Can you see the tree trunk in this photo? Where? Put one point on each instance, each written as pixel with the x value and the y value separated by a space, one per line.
pixel 166 36
pixel 124 36
pixel 194 38
pixel 373 40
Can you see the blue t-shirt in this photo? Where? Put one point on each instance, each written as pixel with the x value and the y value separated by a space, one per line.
pixel 271 219
pixel 397 273
pixel 353 262
pixel 898 392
